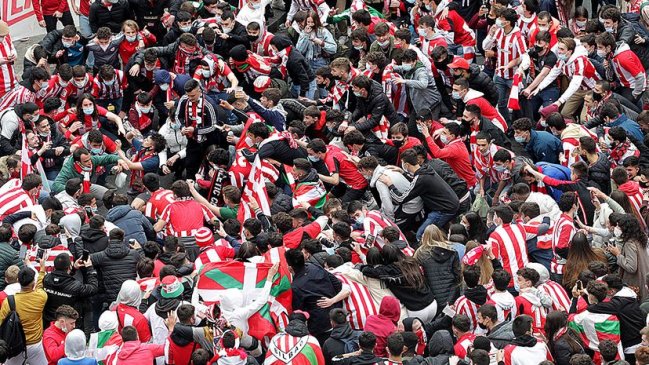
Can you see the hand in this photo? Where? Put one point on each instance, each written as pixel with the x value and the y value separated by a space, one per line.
pixel 116 169
pixel 169 104
pixel 490 54
pixel 78 264
pixel 58 14
pixel 76 10
pixel 385 179
pixel 576 293
pixel 225 105
pixel 170 21
pixel 325 302
pixel 424 129
pixel 395 169
pixel 253 204
pixel 171 320
pixel 59 53
pixel 88 263
pixel 272 271
pixel 146 32
pixel 500 355
pixel 135 245
pixel 492 30
pixel 41 23
pixel 287 23
pixel 118 144
pixel 638 39
pixel 342 127
pixel 613 250
pixel 171 161
pixel 356 247
pixel 598 193
pixel 224 36
pixel 304 204
pixel 349 129
pixel 46 146
pixel 308 29
pixel 165 170
pixel 123 165
pixel 140 45
pixel 398 80
pixel 75 126
pixel 187 131
pixel 232 139
pixel 483 11
pixel 121 131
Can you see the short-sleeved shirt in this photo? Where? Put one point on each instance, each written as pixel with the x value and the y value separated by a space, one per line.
pixel 150 164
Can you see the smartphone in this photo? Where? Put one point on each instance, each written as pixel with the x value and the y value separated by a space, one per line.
pixel 85 255
pixel 23 252
pixel 369 240
pixel 40 253
pixel 580 285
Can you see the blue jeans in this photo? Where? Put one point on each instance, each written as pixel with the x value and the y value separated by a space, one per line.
pixel 544 98
pixel 504 87
pixel 84 26
pixel 295 90
pixel 437 218
pixel 315 64
pixel 456 49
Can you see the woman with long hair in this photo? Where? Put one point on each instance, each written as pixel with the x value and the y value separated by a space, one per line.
pixel 485 264
pixel 631 256
pixel 623 200
pixel 441 265
pixel 402 275
pixel 475 227
pixel 90 115
pixel 579 255
pixel 563 342
pixel 605 206
pixel 315 42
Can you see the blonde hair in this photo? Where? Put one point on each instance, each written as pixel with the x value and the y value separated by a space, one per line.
pixel 486 267
pixel 432 237
pixel 131 24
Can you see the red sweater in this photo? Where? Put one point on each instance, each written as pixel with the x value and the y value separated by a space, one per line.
pixel 49 7
pixel 457 156
pixel 54 344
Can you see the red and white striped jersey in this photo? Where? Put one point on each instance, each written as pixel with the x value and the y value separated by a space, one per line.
pixel 341 87
pixel 54 88
pixel 148 284
pixel 560 299
pixel 427 45
pixel 14 200
pixel 508 48
pixel 101 91
pixel 359 304
pixel 218 81
pixel 581 66
pixel 634 193
pixel 158 202
pixel 454 25
pixel 544 241
pixel 395 92
pixel 483 164
pixel 185 216
pixel 505 304
pixel 74 89
pixel 49 255
pixel 508 243
pixel 19 95
pixel 528 303
pixel 219 251
pixel 262 46
pixel 375 222
pixel 570 140
pixel 527 25
pixel 628 67
pixel 563 232
pixel 468 308
pixel 8 80
pixel 463 343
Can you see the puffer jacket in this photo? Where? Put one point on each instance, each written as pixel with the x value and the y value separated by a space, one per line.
pixel 501 335
pixel 116 265
pixel 480 81
pixel 626 33
pixel 281 203
pixel 334 345
pixel 442 271
pixel 94 240
pixel 135 352
pixel 63 288
pixel 113 18
pixel 421 86
pixel 376 106
pixel 440 350
pixel 8 257
pixel 134 224
pixel 384 323
pixel 600 173
pixel 447 174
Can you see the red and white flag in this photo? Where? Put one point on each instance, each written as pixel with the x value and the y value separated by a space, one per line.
pixel 255 188
pixel 513 96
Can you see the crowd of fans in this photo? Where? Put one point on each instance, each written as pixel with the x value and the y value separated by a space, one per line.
pixel 377 182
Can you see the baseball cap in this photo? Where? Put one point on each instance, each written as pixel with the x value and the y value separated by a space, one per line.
pixel 459 63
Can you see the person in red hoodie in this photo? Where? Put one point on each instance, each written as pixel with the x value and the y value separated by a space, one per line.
pixel 384 323
pixel 401 140
pixel 54 335
pixel 454 153
pixel 50 12
pixel 135 352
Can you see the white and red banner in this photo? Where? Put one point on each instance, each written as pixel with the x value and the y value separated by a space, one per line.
pixel 19 14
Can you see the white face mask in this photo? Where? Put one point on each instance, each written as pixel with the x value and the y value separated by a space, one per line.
pixel 617 232
pixel 164 87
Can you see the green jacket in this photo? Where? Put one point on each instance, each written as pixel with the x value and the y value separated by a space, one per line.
pixel 68 172
pixel 8 257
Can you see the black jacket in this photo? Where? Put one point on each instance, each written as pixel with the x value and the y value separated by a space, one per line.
pixel 116 264
pixel 411 297
pixel 481 82
pixel 238 35
pixel 309 285
pixel 49 159
pixel 631 317
pixel 334 345
pixel 147 13
pixel 52 43
pixel 63 288
pixel 299 70
pixel 100 16
pixel 432 189
pixel 447 174
pixel 94 240
pixel 386 154
pixel 442 271
pixel 626 33
pixel 562 349
pixel 600 173
pixel 365 358
pixel 440 349
pixel 373 108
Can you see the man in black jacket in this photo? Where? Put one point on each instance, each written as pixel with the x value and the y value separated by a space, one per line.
pixel 93 236
pixel 231 33
pixel 372 106
pixel 298 69
pixel 63 288
pixel 65 46
pixel 341 334
pixel 147 14
pixel 359 146
pixel 477 79
pixel 110 13
pixel 367 342
pixel 53 158
pixel 472 120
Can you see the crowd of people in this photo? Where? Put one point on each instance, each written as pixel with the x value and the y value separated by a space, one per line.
pixel 376 182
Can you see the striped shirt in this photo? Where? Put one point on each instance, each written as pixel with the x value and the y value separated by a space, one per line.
pixel 158 202
pixel 19 95
pixel 217 252
pixel 509 47
pixel 359 304
pixel 560 299
pixel 628 68
pixel 8 79
pixel 14 200
pixel 184 217
pixel 464 306
pixel 563 232
pixel 508 243
pixel 101 91
pixel 49 255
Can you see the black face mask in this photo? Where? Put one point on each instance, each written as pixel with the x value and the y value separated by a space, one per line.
pixel 441 65
pixel 397 142
pixel 337 78
pixel 482 326
pixel 466 122
pixel 597 97
pixel 252 38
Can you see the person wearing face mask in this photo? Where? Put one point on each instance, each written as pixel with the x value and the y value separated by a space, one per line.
pixel 30 89
pixel 373 222
pixel 134 40
pixel 176 145
pixel 81 165
pixel 384 42
pixel 420 85
pixel 180 54
pixel 103 50
pixel 626 65
pixel 12 122
pixel 66 45
pixel 80 84
pixel 216 77
pixel 428 38
pixel 545 23
pixel 569 134
pixel 541 145
pixel 315 42
pixel 464 96
pixel 230 34
pixel 58 82
pixel 296 66
pixel 53 157
pixel 373 109
pixel 259 39
pixel 145 160
pixel 109 13
pixel 478 80
pixel 143 116
pixel 562 234
pixel 108 88
pixel 483 159
pixel 182 24
pixel 454 151
pixel 538 62
pixel 578 23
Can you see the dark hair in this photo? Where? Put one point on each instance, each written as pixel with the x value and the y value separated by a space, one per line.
pixel 555 321
pixel 632 230
pixel 367 341
pixel 521 325
pixel 505 213
pixel 597 289
pixel 501 279
pixel 502 155
pixel 295 259
pixel 129 333
pixel 489 311
pixel 65 311
pixel 608 349
pixel 471 275
pixel 462 322
pixel 116 234
pixel 395 344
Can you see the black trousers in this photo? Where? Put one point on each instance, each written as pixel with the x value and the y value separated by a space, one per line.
pixel 51 20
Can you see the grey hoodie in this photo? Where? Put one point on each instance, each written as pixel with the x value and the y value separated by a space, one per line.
pixel 402 184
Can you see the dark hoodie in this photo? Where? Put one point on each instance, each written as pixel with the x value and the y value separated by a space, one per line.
pixel 94 240
pixel 134 224
pixel 432 189
pixel 116 265
pixel 481 82
pixel 413 298
pixel 335 345
pixel 440 350
pixel 376 106
pixel 442 271
pixel 384 323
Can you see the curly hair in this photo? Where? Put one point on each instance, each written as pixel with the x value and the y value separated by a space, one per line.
pixel 632 230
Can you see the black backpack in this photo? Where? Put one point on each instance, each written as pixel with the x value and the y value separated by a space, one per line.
pixel 12 331
pixel 351 343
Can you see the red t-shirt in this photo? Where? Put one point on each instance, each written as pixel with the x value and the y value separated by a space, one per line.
pixel 338 162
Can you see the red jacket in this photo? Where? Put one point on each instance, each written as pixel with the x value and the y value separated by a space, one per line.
pixel 54 344
pixel 457 156
pixel 135 352
pixel 130 316
pixel 384 323
pixel 49 7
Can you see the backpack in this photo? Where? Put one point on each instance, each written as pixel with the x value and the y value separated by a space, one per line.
pixel 351 343
pixel 12 331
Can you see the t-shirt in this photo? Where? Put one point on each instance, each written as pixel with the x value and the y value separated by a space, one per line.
pixel 150 164
pixel 229 213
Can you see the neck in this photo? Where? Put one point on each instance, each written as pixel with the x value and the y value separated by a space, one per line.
pixel 508 28
pixel 394 358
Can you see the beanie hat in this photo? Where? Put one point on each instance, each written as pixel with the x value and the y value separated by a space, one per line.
pixel 204 237
pixel 261 83
pixel 171 287
pixel 239 53
pixel 161 77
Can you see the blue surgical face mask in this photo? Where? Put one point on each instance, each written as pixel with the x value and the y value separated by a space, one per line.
pixel 406 67
pixel 360 219
pixel 175 125
pixel 500 168
pixel 562 56
pixel 314 158
pixel 88 110
pixel 131 38
pixel 519 139
pixel 109 82
pixel 96 151
pixel 456 95
pixel 186 29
